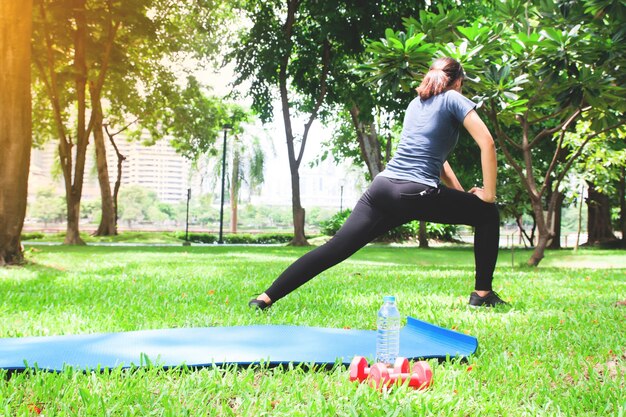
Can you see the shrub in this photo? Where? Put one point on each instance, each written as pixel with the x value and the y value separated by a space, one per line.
pixel 408 231
pixel 32 236
pixel 240 238
pixel 199 237
pixel 445 232
pixel 332 225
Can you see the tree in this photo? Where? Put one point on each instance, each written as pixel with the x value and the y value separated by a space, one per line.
pixel 286 47
pixel 248 162
pixel 47 207
pixel 61 42
pixel 15 124
pixel 536 70
pixel 247 158
pixel 193 119
pixel 244 158
pixel 118 179
pixel 138 204
pixel 124 52
pixel 601 165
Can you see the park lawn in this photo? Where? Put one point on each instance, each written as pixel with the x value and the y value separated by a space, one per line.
pixel 559 350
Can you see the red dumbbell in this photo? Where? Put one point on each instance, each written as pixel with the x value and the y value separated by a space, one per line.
pixel 359 370
pixel 424 374
pixel 401 366
pixel 420 377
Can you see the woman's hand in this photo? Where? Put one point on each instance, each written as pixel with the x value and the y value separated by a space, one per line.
pixel 483 195
pixel 449 178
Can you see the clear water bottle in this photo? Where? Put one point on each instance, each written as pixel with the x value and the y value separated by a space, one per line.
pixel 388 335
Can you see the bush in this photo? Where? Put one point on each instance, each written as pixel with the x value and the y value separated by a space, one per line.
pixel 408 231
pixel 445 232
pixel 401 233
pixel 199 237
pixel 332 225
pixel 239 238
pixel 273 238
pixel 32 236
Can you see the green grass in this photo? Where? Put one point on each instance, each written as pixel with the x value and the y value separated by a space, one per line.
pixel 560 350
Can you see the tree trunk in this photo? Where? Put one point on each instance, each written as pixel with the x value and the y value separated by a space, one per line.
pixel 15 124
pixel 422 236
pixel 599 229
pixel 120 161
pixel 540 248
pixel 555 243
pixel 622 205
pixel 368 143
pixel 543 229
pixel 299 238
pixel 235 183
pixel 74 194
pixel 108 220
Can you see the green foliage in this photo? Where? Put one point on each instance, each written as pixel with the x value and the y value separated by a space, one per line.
pixel 48 206
pixel 194 120
pixel 444 232
pixel 32 236
pixel 332 225
pixel 400 58
pixel 535 68
pixel 602 160
pixel 138 204
pixel 403 233
pixel 90 209
pixel 513 62
pixel 239 238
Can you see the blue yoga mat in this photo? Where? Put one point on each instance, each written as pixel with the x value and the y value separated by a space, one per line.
pixel 242 345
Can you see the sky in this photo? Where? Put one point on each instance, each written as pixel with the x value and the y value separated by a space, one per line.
pixel 333 177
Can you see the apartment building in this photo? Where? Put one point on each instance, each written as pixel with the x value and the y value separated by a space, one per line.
pixel 158 168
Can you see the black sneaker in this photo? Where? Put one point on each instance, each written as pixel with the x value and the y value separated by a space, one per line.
pixel 490 300
pixel 258 304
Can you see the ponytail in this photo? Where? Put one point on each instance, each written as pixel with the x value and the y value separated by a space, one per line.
pixel 440 76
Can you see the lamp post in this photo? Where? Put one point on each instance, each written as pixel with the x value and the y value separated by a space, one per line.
pixel 341 184
pixel 186 242
pixel 226 128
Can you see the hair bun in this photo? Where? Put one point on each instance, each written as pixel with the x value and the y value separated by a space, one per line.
pixel 441 74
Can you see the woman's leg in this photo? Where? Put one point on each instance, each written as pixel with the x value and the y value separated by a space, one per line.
pixel 366 222
pixel 456 207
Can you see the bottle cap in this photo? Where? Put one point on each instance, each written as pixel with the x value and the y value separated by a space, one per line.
pixel 389 299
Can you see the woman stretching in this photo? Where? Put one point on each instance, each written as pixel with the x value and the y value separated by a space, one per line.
pixel 410 188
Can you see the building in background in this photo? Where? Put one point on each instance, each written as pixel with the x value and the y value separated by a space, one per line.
pixel 159 168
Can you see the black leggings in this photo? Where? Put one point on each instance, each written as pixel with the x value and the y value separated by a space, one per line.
pixel 389 203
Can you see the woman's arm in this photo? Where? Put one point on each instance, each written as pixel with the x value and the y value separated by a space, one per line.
pixel 479 131
pixel 449 178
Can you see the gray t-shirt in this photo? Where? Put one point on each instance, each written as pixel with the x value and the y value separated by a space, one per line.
pixel 429 134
